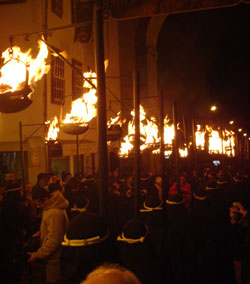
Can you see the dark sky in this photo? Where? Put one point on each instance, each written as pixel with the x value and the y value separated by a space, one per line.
pixel 204 58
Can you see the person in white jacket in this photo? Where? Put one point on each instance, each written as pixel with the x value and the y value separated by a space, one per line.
pixel 53 227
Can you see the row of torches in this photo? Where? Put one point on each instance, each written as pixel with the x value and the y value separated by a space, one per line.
pixel 13 78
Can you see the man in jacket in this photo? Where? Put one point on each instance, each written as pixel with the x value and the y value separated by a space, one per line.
pixel 53 226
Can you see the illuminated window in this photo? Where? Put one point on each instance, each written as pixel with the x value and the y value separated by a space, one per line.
pixel 57 80
pixel 77 80
pixel 57 7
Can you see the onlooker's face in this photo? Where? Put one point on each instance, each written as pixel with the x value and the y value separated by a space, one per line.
pixel 68 178
pixel 115 173
pixel 129 179
pixel 182 179
pixel 219 174
pixel 10 177
pixel 28 187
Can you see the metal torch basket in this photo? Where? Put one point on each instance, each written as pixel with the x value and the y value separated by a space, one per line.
pixel 74 128
pixel 11 102
pixel 114 132
pixel 132 139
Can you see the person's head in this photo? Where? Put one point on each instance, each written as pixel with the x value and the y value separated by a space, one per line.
pixel 73 184
pixel 54 187
pixel 183 178
pixel 28 187
pixel 41 179
pixel 40 197
pixel 67 177
pixel 115 173
pixel 51 178
pixel 10 177
pixel 158 180
pixel 81 202
pixel 111 274
pixel 219 173
pixel 128 178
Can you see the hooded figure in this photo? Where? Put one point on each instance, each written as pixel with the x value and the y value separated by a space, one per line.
pixel 152 214
pixel 203 228
pixel 85 247
pixel 219 194
pixel 52 229
pixel 137 253
pixel 178 246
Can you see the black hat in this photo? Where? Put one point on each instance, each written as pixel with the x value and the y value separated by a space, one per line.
pixel 81 204
pixel 212 185
pixel 175 200
pixel 134 231
pixel 225 178
pixel 86 229
pixel 152 203
pixel 200 192
pixel 200 195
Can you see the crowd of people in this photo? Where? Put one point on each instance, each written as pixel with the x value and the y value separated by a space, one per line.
pixel 194 230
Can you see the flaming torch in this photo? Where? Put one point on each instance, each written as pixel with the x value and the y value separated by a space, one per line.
pixel 114 130
pixel 148 136
pixel 19 72
pixel 83 110
pixel 218 141
pixel 52 135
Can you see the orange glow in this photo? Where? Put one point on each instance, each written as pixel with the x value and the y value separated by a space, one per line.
pixel 13 73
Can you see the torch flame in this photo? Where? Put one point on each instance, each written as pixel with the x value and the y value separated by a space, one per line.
pixel 115 121
pixel 219 141
pixel 52 134
pixel 83 109
pixel 149 133
pixel 13 73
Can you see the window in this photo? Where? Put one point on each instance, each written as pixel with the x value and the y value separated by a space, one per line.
pixel 57 80
pixel 57 7
pixel 77 80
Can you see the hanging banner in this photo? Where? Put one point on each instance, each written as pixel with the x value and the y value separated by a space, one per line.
pixel 4 2
pixel 125 9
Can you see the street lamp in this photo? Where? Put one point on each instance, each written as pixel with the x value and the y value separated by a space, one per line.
pixel 231 122
pixel 213 108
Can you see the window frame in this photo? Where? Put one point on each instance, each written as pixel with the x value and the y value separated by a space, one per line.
pixel 77 88
pixel 57 79
pixel 57 8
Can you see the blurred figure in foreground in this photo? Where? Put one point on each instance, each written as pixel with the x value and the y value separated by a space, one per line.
pixel 111 274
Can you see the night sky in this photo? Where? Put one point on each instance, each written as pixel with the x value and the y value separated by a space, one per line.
pixel 204 59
